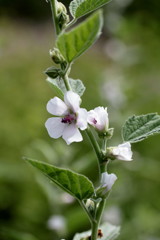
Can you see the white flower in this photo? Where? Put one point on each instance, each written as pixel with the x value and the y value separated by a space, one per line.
pixel 122 152
pixel 107 181
pixel 69 117
pixel 56 222
pixel 98 118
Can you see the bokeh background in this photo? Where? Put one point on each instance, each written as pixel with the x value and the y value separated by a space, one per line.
pixel 122 71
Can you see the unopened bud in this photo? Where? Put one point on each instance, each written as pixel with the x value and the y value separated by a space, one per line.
pixel 52 72
pixel 56 56
pixel 107 181
pixel 121 152
pixel 61 8
pixel 63 17
pixel 90 205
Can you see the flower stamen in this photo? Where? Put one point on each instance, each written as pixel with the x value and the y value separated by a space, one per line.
pixel 68 119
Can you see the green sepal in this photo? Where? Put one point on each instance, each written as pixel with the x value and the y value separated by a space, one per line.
pixel 52 72
pixel 77 185
pixel 75 42
pixel 137 128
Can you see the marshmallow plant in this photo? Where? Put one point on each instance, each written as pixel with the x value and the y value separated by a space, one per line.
pixel 69 119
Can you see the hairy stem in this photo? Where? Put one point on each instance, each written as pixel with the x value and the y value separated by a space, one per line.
pixel 96 223
pixel 54 15
pixel 94 144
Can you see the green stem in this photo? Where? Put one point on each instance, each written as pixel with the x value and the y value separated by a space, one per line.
pixel 104 144
pixel 96 223
pixel 74 20
pixel 65 77
pixel 94 234
pixel 66 82
pixel 94 144
pixel 54 16
pixel 85 210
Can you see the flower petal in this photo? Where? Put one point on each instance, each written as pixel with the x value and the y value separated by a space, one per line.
pixel 107 180
pixel 98 118
pixel 92 118
pixel 72 100
pixel 103 121
pixel 82 118
pixel 55 127
pixel 123 152
pixel 72 134
pixel 57 107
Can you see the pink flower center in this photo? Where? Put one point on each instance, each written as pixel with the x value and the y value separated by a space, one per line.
pixel 94 121
pixel 70 118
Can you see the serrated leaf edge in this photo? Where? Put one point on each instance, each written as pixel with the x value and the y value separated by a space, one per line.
pixel 143 137
pixel 73 13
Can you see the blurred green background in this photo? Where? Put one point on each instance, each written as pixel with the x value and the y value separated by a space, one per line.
pixel 122 72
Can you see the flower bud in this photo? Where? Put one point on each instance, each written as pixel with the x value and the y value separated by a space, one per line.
pixel 98 118
pixel 52 72
pixel 56 56
pixel 63 17
pixel 61 8
pixel 107 181
pixel 90 205
pixel 121 152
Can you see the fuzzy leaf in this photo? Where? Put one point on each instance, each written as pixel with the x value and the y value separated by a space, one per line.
pixel 75 184
pixel 137 128
pixel 77 86
pixel 79 8
pixel 59 86
pixel 110 232
pixel 72 44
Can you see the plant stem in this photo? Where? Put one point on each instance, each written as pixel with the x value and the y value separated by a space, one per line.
pixel 71 23
pixel 94 144
pixel 88 214
pixel 65 78
pixel 104 144
pixel 54 16
pixel 95 224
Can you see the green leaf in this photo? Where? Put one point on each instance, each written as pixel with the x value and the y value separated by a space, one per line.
pixel 79 8
pixel 72 44
pixel 77 86
pixel 109 231
pixel 59 86
pixel 75 184
pixel 137 128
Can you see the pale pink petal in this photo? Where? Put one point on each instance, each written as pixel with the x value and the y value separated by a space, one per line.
pixel 92 118
pixel 107 180
pixel 72 134
pixel 72 100
pixel 82 118
pixel 102 120
pixel 57 107
pixel 55 127
pixel 98 118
